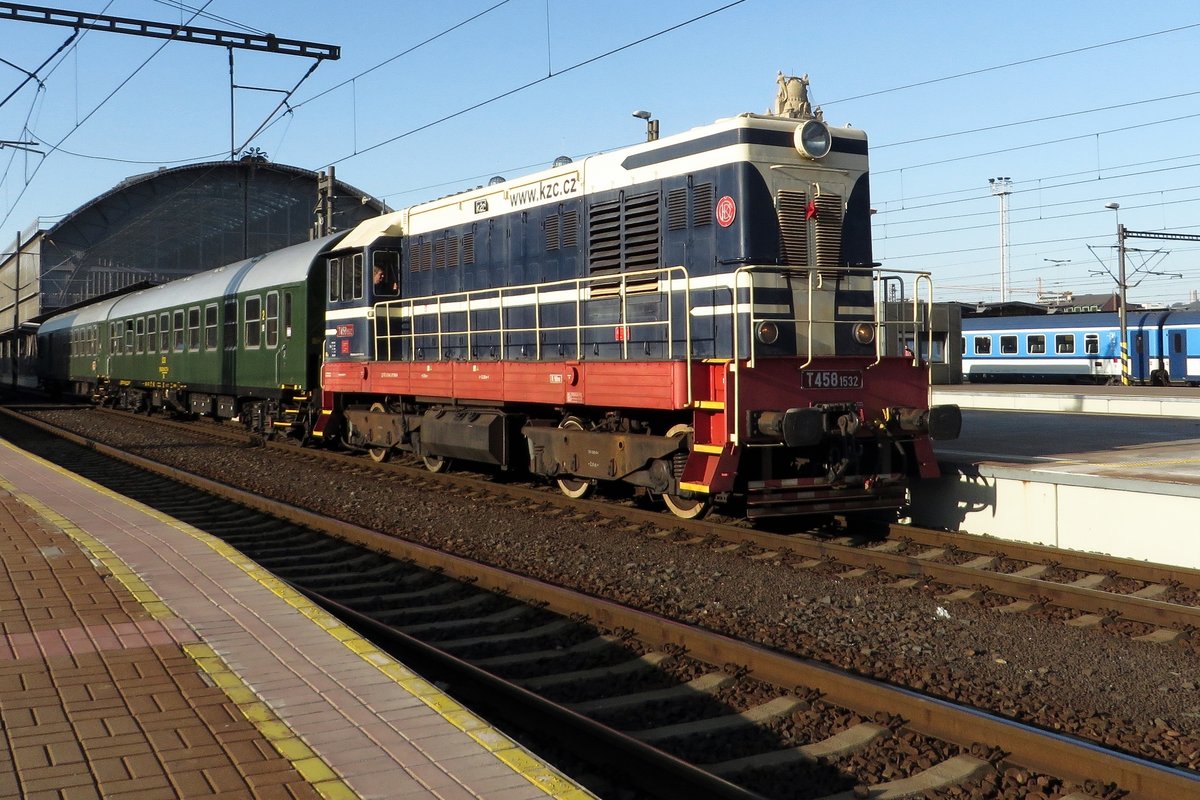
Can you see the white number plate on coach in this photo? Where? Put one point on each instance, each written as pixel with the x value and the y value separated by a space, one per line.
pixel 832 379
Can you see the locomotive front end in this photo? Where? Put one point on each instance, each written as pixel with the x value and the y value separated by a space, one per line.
pixel 822 406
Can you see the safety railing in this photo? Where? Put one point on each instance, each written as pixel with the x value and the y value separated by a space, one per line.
pixel 419 328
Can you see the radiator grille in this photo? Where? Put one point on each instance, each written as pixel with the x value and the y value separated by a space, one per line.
pixel 793 228
pixel 829 232
pixel 677 209
pixel 702 205
pixel 624 234
pixel 570 232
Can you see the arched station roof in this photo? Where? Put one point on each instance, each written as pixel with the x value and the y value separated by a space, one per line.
pixel 177 221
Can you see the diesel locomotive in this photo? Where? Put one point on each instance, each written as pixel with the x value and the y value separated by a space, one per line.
pixel 697 316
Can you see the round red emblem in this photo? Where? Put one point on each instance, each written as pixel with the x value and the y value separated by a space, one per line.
pixel 726 211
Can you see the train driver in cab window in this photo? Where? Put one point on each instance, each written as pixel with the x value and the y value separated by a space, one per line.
pixel 383 278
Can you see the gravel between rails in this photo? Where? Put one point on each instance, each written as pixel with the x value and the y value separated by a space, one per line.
pixel 1142 697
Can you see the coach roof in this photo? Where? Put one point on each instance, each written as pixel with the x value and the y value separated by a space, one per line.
pixel 287 266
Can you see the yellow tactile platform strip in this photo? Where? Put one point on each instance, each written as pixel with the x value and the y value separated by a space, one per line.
pixel 323 778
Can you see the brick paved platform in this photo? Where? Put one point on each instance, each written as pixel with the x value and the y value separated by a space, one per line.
pixel 140 658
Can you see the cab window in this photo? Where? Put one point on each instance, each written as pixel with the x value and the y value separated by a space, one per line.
pixel 385 269
pixel 335 280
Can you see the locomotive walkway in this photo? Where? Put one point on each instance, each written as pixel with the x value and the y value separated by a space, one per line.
pixel 140 658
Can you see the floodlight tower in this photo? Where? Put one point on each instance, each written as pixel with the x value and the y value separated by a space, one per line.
pixel 1002 188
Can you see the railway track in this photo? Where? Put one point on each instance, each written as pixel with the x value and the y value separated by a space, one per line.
pixel 1146 601
pixel 687 711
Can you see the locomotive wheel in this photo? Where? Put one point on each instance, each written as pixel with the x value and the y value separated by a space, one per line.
pixel 686 507
pixel 574 488
pixel 379 453
pixel 436 463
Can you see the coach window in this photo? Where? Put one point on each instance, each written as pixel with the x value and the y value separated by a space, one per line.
pixel 983 345
pixel 177 330
pixel 1036 343
pixel 129 337
pixel 151 333
pixel 287 315
pixel 1091 344
pixel 140 328
pixel 1064 343
pixel 335 280
pixel 231 324
pixel 253 323
pixel 1008 344
pixel 272 319
pixel 194 328
pixel 114 338
pixel 1177 342
pixel 210 327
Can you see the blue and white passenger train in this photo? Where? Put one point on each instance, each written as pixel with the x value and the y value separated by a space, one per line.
pixel 1164 348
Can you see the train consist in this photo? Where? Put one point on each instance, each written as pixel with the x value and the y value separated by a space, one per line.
pixel 1164 348
pixel 697 316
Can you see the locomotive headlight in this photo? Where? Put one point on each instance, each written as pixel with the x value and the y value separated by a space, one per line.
pixel 767 332
pixel 813 139
pixel 864 333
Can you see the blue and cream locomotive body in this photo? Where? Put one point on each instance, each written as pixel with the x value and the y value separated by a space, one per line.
pixel 697 316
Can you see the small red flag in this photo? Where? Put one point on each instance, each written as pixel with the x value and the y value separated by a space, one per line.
pixel 811 211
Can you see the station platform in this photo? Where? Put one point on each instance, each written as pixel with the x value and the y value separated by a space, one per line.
pixel 1137 401
pixel 1032 466
pixel 141 658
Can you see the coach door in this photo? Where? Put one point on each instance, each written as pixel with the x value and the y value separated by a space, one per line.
pixel 1138 356
pixel 1177 353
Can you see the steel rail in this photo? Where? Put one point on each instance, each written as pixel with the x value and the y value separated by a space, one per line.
pixel 1094 601
pixel 1055 754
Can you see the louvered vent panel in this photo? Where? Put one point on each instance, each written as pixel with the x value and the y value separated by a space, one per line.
pixel 426 255
pixel 604 237
pixel 468 248
pixel 793 228
pixel 702 205
pixel 829 232
pixel 439 253
pixel 414 256
pixel 550 227
pixel 641 232
pixel 570 233
pixel 677 209
pixel 452 251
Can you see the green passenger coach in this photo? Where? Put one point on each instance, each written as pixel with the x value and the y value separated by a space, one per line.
pixel 237 342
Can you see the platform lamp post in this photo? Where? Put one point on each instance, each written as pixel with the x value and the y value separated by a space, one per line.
pixel 1124 320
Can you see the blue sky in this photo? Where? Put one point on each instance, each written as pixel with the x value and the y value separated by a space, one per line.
pixel 1078 103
